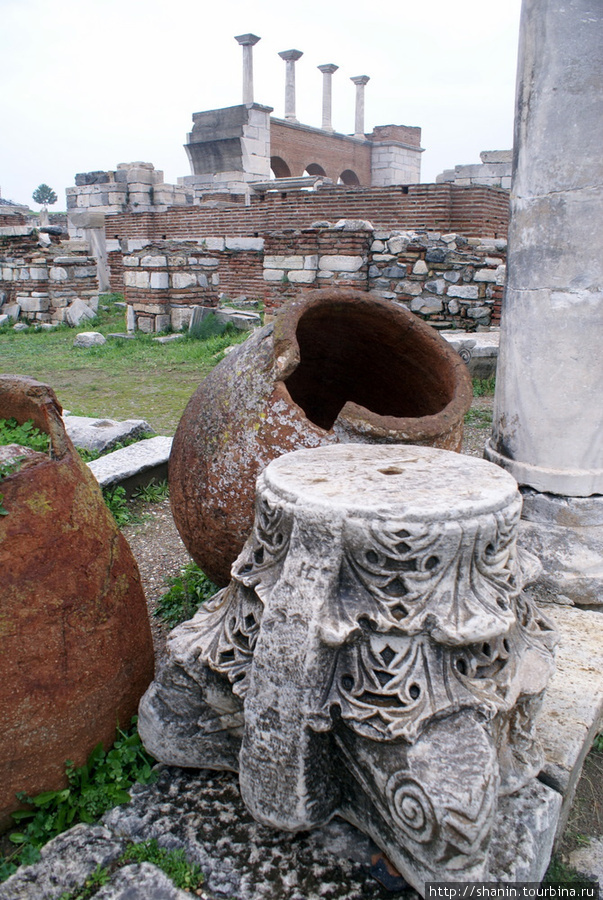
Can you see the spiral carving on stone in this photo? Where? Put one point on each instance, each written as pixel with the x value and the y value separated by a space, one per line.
pixel 411 808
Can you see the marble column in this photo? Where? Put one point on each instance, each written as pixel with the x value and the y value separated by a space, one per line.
pixel 327 71
pixel 290 57
pixel 247 41
pixel 360 81
pixel 548 412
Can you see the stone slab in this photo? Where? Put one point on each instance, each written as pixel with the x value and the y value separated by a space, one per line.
pixel 572 713
pixel 101 434
pixel 134 465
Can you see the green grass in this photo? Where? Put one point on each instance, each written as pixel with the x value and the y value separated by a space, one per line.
pixel 123 379
pixel 479 418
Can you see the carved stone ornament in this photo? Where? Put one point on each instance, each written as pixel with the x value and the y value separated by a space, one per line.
pixel 373 656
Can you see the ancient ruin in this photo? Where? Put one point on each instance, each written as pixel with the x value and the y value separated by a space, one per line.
pixel 336 366
pixel 77 651
pixel 373 657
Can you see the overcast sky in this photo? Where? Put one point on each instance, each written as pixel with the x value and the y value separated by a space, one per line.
pixel 86 84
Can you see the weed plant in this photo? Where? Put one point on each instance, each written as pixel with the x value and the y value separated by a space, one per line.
pixel 26 435
pixel 187 592
pixel 484 387
pixel 153 492
pixel 186 876
pixel 92 789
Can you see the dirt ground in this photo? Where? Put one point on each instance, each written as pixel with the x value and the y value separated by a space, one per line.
pixel 160 554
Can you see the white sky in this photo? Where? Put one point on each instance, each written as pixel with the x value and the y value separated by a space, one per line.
pixel 86 84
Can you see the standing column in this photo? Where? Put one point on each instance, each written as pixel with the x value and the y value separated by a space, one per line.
pixel 548 410
pixel 290 57
pixel 247 41
pixel 327 71
pixel 359 81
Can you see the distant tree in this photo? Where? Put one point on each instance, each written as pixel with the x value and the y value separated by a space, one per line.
pixel 44 195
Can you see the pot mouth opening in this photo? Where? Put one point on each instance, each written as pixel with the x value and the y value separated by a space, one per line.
pixel 350 354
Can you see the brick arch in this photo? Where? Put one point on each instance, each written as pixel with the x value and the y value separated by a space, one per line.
pixel 314 169
pixel 348 177
pixel 279 167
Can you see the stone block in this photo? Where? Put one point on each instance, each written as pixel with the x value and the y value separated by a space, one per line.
pixel 414 288
pixel 426 305
pixel 4 319
pixel 244 243
pixel 181 317
pixel 497 156
pixel 162 322
pixel 130 318
pixel 88 339
pixel 383 257
pixel 341 263
pixel 7 273
pixel 209 262
pixel 77 312
pixel 124 464
pixel 306 276
pixel 160 281
pixel 274 274
pixel 453 277
pixel 58 273
pixel 131 261
pixel 420 267
pixel 202 280
pixel 487 275
pixel 311 262
pixel 464 291
pixel 397 271
pixel 85 271
pixel 12 310
pixel 397 244
pixel 435 287
pixel 284 262
pixel 214 244
pixel 146 324
pixel 34 304
pixel 182 280
pixel 151 309
pixel 130 279
pixel 38 273
pixel 479 312
pixel 377 247
pixel 153 261
pixel 142 279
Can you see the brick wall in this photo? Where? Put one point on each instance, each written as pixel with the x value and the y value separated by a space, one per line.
pixel 476 211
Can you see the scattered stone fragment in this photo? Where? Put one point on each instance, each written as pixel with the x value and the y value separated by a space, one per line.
pixel 142 461
pixel 102 434
pixel 77 313
pixel 88 339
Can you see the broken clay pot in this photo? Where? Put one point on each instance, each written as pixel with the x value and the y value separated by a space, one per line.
pixel 336 366
pixel 76 647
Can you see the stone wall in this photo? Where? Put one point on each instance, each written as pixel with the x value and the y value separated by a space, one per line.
pixel 448 280
pixel 495 170
pixel 164 281
pixel 40 283
pixel 136 185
